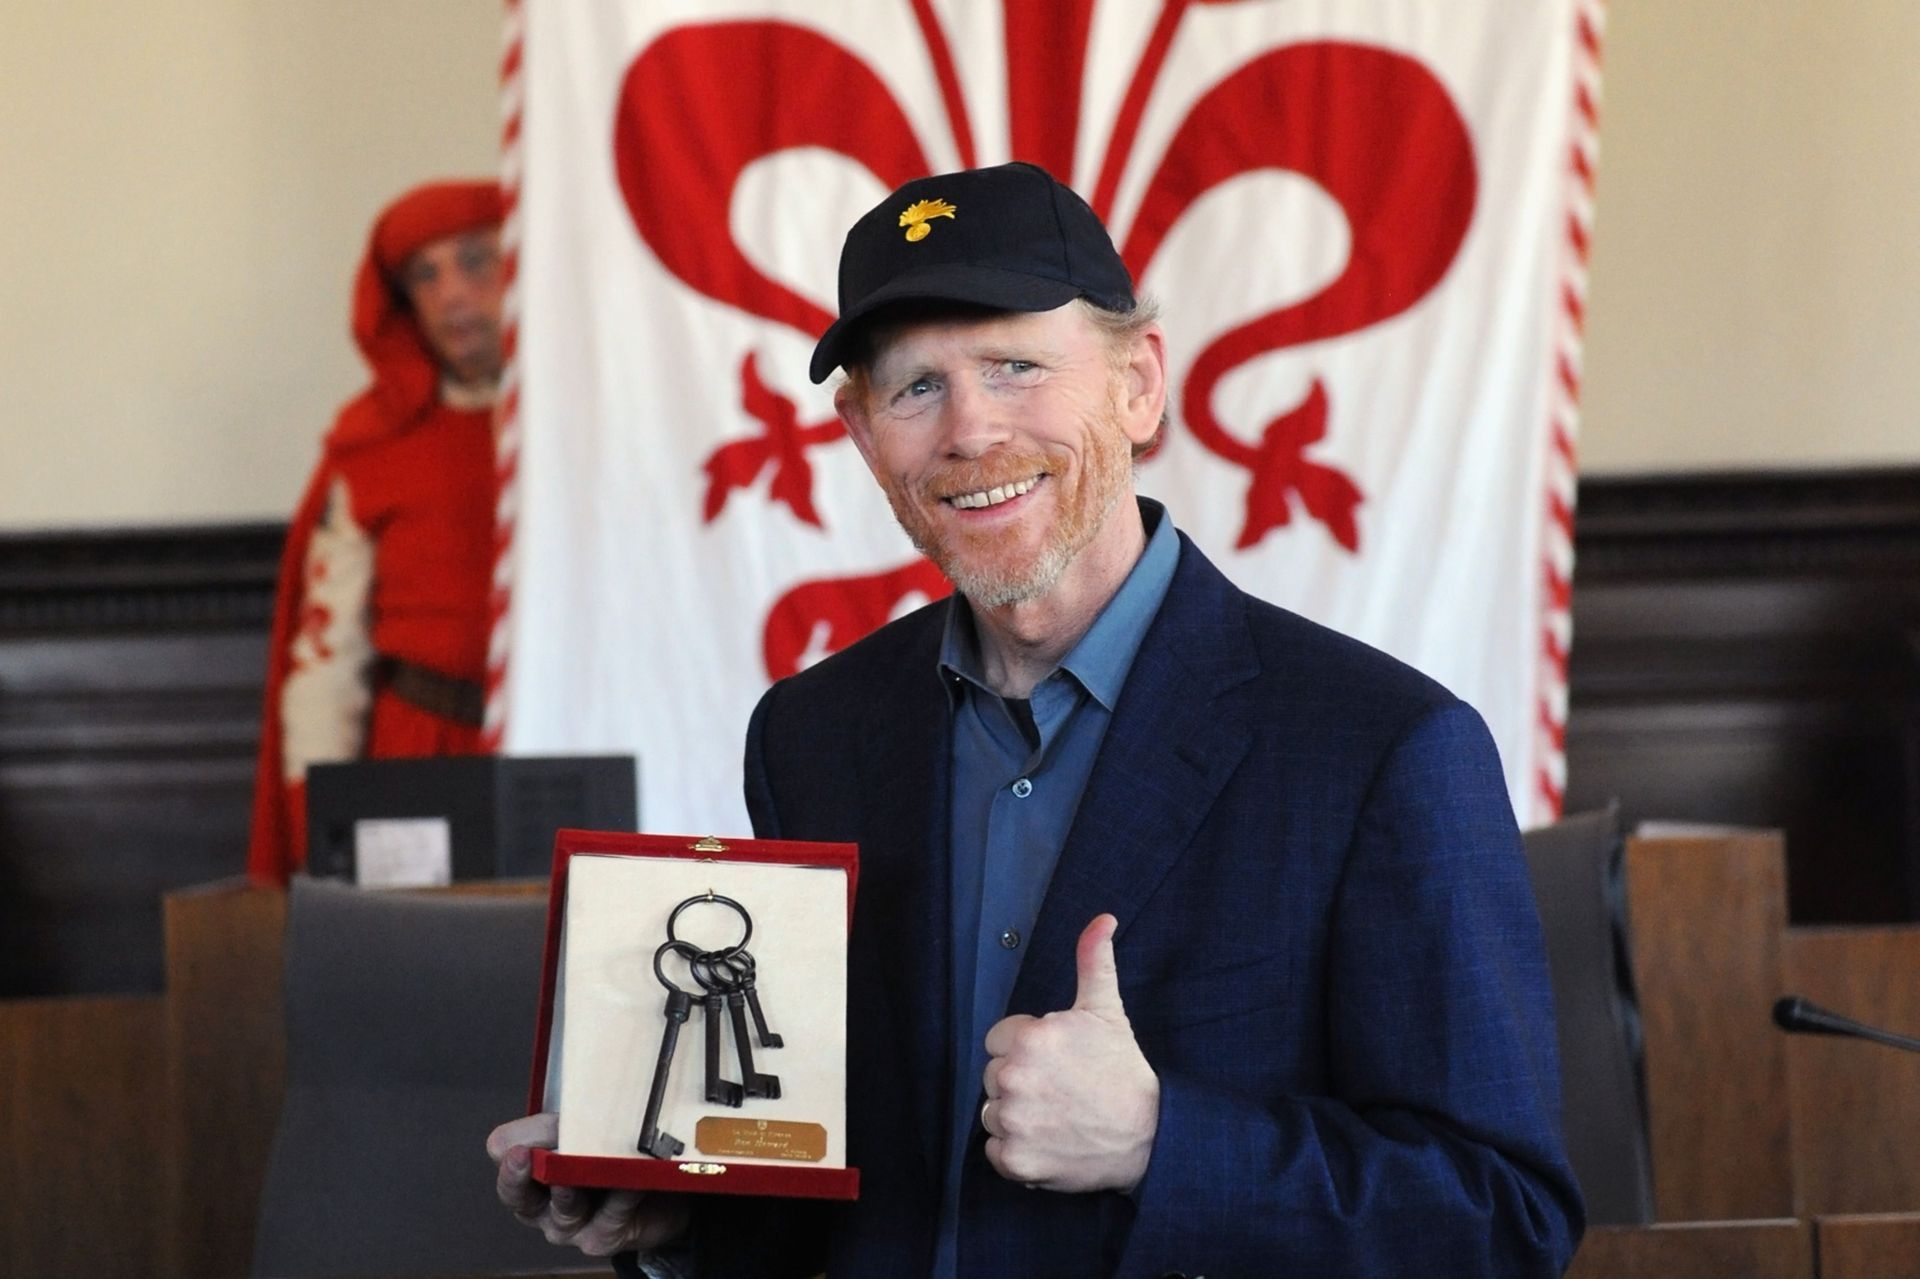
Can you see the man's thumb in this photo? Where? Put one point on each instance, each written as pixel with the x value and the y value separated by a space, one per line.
pixel 1099 990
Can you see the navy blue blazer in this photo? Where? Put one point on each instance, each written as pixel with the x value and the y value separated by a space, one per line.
pixel 1328 950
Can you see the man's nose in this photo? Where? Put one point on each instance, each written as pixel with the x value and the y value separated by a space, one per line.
pixel 975 420
pixel 454 289
pixel 433 298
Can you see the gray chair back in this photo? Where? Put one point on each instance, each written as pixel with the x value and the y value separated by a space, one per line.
pixel 1580 887
pixel 410 1023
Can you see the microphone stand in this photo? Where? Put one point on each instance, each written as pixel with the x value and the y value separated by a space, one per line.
pixel 1802 1017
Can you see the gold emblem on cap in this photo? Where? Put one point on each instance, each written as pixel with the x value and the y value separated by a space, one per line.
pixel 920 213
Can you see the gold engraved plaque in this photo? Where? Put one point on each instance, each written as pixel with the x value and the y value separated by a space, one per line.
pixel 760 1139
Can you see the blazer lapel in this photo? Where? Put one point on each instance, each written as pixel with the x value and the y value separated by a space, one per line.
pixel 1167 754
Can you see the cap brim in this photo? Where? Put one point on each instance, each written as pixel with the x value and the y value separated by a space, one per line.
pixel 985 286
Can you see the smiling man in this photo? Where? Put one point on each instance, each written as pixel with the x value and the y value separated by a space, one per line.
pixel 380 630
pixel 1193 938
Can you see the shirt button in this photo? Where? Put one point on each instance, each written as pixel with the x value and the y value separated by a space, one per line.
pixel 1010 939
pixel 1022 788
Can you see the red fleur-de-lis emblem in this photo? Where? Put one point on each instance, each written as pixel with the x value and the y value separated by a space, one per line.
pixel 782 444
pixel 817 618
pixel 1373 128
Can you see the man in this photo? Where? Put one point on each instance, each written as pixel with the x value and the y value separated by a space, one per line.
pixel 380 632
pixel 1193 939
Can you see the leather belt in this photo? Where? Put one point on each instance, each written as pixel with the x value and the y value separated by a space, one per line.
pixel 463 701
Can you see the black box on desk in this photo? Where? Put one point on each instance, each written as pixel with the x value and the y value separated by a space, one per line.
pixel 494 816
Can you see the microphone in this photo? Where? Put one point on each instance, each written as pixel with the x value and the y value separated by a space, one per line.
pixel 1803 1017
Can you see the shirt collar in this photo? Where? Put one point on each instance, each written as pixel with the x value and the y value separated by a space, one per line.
pixel 1104 655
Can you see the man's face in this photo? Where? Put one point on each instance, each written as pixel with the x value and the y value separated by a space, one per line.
pixel 1003 442
pixel 455 286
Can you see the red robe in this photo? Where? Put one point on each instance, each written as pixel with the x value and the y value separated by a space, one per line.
pixel 403 500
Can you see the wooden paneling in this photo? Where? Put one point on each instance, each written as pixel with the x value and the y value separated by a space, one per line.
pixel 130 673
pixel 1856 1105
pixel 1707 915
pixel 82 1123
pixel 1744 654
pixel 1869 1247
pixel 226 1045
pixel 1697 1250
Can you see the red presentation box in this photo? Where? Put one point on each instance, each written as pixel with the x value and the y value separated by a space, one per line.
pixel 604 1000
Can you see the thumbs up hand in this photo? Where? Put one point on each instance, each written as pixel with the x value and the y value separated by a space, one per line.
pixel 1071 1102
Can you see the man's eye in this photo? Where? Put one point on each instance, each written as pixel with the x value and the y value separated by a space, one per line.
pixel 1021 366
pixel 918 387
pixel 475 261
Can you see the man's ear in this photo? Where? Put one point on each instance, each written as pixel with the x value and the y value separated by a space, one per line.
pixel 851 405
pixel 1144 386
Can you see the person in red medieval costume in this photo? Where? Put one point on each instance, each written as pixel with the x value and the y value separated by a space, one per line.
pixel 380 632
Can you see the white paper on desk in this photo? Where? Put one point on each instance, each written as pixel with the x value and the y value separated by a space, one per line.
pixel 609 1003
pixel 1691 830
pixel 402 852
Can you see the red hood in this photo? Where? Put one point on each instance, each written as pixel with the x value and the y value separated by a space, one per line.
pixel 406 379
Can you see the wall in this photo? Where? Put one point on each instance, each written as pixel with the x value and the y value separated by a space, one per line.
pixel 188 185
pixel 188 182
pixel 1756 273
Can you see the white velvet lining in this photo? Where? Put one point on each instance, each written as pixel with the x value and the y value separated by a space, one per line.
pixel 609 1006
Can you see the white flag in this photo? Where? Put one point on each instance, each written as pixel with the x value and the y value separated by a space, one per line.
pixel 1366 223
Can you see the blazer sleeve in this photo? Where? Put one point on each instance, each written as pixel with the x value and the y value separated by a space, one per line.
pixel 1437 1148
pixel 759 789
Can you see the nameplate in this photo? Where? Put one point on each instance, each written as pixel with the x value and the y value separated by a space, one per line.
pixel 760 1139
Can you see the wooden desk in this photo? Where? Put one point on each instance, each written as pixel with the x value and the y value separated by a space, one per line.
pixel 225 1040
pixel 82 1123
pixel 1773 1249
pixel 1746 1121
pixel 1856 1105
pixel 1707 917
pixel 1883 1246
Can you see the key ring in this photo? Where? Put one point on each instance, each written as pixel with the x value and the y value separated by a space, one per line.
pixel 686 950
pixel 706 966
pixel 746 921
pixel 723 972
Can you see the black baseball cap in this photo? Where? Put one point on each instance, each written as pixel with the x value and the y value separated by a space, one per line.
pixel 1009 238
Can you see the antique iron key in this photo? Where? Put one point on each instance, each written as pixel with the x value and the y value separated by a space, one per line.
pixel 768 1039
pixel 721 1092
pixel 738 969
pixel 653 1141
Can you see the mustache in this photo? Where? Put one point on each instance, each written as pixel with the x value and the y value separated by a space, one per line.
pixel 980 474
